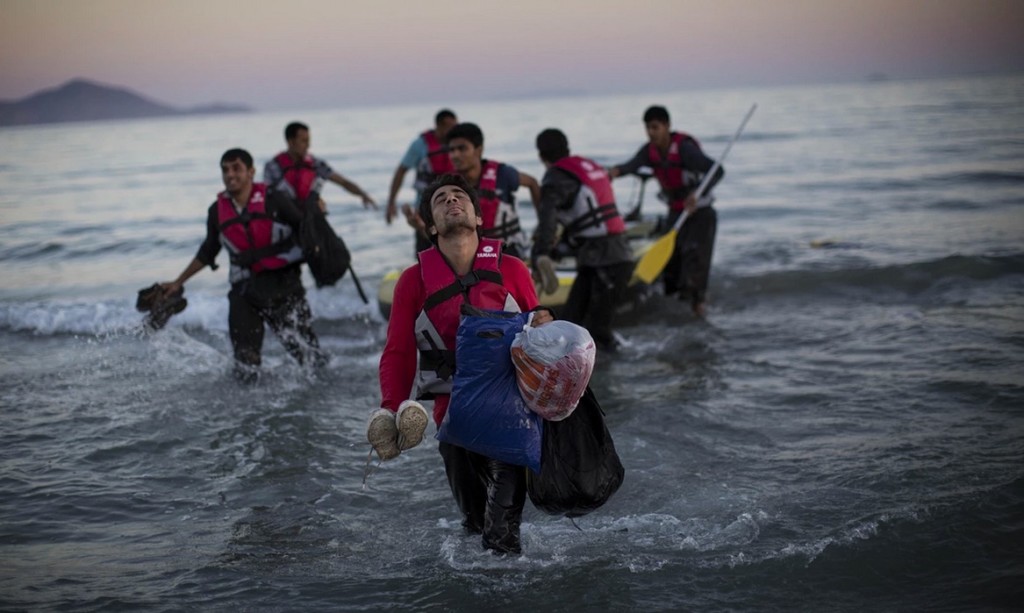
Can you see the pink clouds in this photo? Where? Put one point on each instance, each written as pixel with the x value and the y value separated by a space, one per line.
pixel 319 53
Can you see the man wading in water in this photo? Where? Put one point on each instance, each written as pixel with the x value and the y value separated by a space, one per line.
pixel 461 267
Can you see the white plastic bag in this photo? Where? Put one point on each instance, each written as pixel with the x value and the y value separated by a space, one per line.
pixel 553 367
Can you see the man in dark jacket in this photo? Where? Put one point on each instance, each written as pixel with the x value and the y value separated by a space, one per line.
pixel 257 228
pixel 679 164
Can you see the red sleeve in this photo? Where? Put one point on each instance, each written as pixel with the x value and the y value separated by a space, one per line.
pixel 517 279
pixel 398 361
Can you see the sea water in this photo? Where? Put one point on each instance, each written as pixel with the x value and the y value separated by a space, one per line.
pixel 842 432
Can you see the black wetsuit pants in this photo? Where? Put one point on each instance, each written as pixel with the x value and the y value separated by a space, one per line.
pixel 277 299
pixel 490 493
pixel 595 293
pixel 690 265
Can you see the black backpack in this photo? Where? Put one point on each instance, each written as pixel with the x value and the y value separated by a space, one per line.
pixel 326 254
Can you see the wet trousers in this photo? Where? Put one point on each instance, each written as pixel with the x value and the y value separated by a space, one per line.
pixel 277 299
pixel 688 269
pixel 595 293
pixel 490 493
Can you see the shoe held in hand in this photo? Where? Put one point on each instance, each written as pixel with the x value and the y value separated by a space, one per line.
pixel 544 275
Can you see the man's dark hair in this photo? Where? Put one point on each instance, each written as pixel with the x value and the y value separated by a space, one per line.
pixel 442 115
pixel 468 131
pixel 237 154
pixel 656 113
pixel 426 210
pixel 292 129
pixel 552 145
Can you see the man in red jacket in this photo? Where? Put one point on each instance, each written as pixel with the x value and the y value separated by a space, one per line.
pixel 461 267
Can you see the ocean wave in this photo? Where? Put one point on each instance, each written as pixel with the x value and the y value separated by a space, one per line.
pixel 51 318
pixel 982 177
pixel 70 250
pixel 208 312
pixel 32 250
pixel 764 137
pixel 904 279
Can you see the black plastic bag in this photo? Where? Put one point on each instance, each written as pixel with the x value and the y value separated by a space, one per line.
pixel 580 469
pixel 326 254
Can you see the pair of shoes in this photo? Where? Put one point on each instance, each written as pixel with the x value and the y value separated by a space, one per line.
pixel 163 310
pixel 392 433
pixel 412 424
pixel 148 297
pixel 160 308
pixel 383 434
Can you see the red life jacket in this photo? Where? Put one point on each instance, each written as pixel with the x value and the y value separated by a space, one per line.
pixel 300 175
pixel 435 164
pixel 437 154
pixel 676 180
pixel 593 213
pixel 500 218
pixel 438 320
pixel 251 230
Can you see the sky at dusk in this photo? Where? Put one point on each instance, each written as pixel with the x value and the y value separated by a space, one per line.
pixel 323 53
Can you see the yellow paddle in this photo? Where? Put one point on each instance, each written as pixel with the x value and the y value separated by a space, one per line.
pixel 654 261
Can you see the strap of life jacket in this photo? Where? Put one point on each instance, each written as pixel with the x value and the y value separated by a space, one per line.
pixel 442 361
pixel 461 286
pixel 247 258
pixel 593 217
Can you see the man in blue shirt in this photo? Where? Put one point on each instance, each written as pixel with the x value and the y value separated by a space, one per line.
pixel 428 156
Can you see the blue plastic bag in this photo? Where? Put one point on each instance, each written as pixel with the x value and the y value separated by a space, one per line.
pixel 487 414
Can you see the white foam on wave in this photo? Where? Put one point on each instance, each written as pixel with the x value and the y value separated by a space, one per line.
pixel 854 532
pixel 343 302
pixel 207 311
pixel 636 543
pixel 104 317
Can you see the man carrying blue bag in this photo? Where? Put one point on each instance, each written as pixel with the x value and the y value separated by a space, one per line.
pixel 461 268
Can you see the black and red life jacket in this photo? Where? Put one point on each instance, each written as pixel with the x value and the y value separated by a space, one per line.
pixel 253 230
pixel 594 212
pixel 676 180
pixel 301 175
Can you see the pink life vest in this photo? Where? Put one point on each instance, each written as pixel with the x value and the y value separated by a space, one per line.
pixel 675 180
pixel 500 219
pixel 438 320
pixel 593 213
pixel 435 164
pixel 437 154
pixel 300 175
pixel 253 229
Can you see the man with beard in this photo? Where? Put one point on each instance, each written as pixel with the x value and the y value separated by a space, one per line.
pixel 461 267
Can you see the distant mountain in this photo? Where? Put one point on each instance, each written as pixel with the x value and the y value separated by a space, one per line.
pixel 81 100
